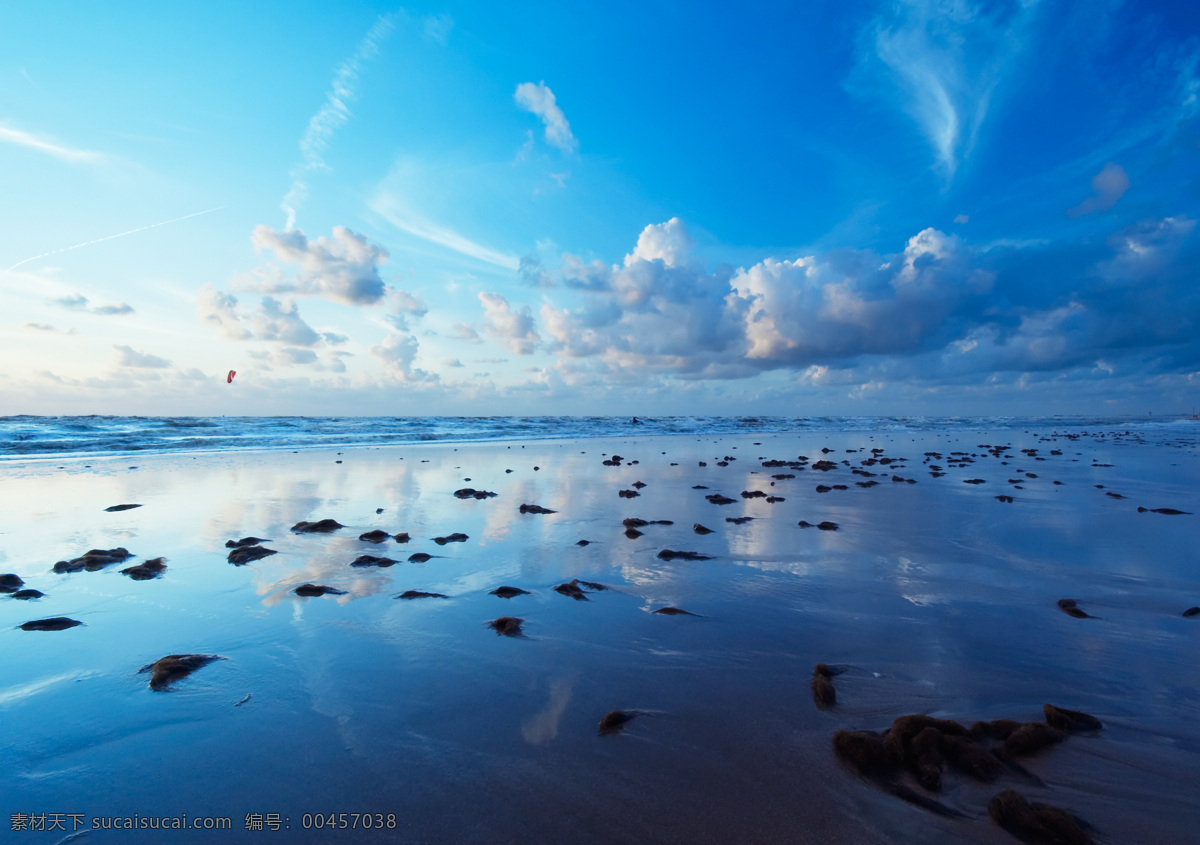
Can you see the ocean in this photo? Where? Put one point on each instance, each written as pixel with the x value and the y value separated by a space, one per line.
pixel 25 437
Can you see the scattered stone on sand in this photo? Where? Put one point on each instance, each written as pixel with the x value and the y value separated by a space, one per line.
pixel 535 509
pixel 628 494
pixel 167 670
pixel 509 626
pixel 864 752
pixel 419 557
pixel 1167 511
pixel 571 590
pixel 371 560
pixel 632 533
pixel 376 536
pixel 824 694
pixel 1070 720
pixel 1005 498
pixel 245 541
pixel 739 520
pixel 1032 737
pixel 718 499
pixel 673 611
pixel 823 488
pixel 1036 823
pixel 402 537
pixel 614 722
pixel 451 538
pixel 594 586
pixel 671 554
pixel 115 508
pixel 1192 611
pixel 472 493
pixel 508 592
pixel 753 494
pixel 827 526
pixel 145 571
pixel 323 526
pixel 583 542
pixel 1070 607
pixel 974 481
pixel 700 529
pixel 10 582
pixel 93 560
pixel 699 487
pixel 418 594
pixel 26 595
pixel 773 499
pixel 639 484
pixel 969 757
pixel 317 590
pixel 54 623
pixel 1000 729
pixel 1114 495
pixel 245 554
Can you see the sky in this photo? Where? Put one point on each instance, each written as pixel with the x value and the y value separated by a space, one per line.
pixel 902 208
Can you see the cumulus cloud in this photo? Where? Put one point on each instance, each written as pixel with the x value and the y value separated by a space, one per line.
pixel 129 357
pixel 281 321
pixel 539 100
pixel 397 351
pixel 513 328
pixel 79 302
pixel 401 306
pixel 343 268
pixel 532 273
pixel 465 332
pixel 219 310
pixel 938 308
pixel 1108 186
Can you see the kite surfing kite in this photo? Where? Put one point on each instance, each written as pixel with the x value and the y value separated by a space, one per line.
pixel 229 378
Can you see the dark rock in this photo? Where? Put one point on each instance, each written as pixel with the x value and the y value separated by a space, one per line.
pixel 451 538
pixel 1005 498
pixel 535 509
pixel 25 595
pixel 969 757
pixel 145 571
pixel 1036 823
pixel 614 722
pixel 1000 729
pixel 1032 737
pixel 472 493
pixel 245 541
pixel 700 529
pixel 639 485
pixel 925 758
pixel 804 523
pixel 632 533
pixel 823 488
pixel 317 590
pixel 246 554
pixel 739 520
pixel 376 536
pixel 583 543
pixel 402 537
pixel 1192 611
pixel 509 592
pixel 974 481
pixel 509 626
pixel 417 594
pixel 824 694
pixel 773 499
pixel 167 670
pixel 753 494
pixel 121 508
pixel 93 560
pixel 718 499
pixel 1167 511
pixel 571 590
pixel 324 526
pixel 371 560
pixel 419 557
pixel 594 586
pixel 827 526
pixel 671 554
pixel 628 494
pixel 10 582
pixel 1068 606
pixel 673 611
pixel 54 623
pixel 1070 720
pixel 699 487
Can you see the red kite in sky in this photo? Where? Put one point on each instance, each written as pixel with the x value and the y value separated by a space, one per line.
pixel 229 378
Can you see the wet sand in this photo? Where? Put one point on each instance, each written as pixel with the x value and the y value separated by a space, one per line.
pixel 930 597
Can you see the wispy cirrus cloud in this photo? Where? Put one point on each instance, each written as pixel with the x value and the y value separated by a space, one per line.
pixel 947 58
pixel 389 207
pixel 332 115
pixel 61 152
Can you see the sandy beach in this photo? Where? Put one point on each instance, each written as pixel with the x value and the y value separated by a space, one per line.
pixel 931 596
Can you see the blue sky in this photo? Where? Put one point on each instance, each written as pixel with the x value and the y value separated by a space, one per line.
pixel 651 208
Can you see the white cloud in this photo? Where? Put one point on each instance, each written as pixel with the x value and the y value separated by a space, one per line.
pixel 281 321
pixel 401 306
pixel 466 332
pixel 332 115
pixel 947 57
pixel 129 357
pixel 539 100
pixel 342 268
pixel 389 207
pixel 1108 186
pixel 219 310
pixel 79 302
pixel 32 142
pixel 514 329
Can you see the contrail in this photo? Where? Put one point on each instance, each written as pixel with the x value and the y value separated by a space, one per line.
pixel 110 237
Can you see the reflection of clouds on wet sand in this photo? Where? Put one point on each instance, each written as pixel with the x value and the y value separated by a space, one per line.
pixel 542 727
